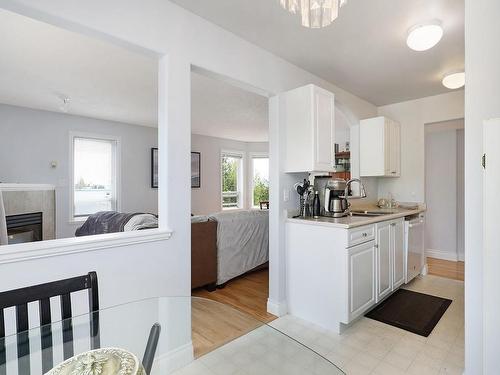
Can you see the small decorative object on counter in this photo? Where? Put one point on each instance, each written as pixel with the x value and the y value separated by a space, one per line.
pixel 316 206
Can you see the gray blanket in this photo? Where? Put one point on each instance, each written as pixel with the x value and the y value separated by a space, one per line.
pixel 242 242
pixel 106 222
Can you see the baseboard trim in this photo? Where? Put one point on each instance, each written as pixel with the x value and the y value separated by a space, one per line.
pixel 174 359
pixel 276 308
pixel 439 254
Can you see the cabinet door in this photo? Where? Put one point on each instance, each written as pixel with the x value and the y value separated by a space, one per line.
pixel 384 264
pixel 361 278
pixel 398 251
pixel 324 130
pixel 387 147
pixel 394 149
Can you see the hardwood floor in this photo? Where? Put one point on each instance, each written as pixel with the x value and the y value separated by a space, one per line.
pixel 214 325
pixel 247 293
pixel 446 268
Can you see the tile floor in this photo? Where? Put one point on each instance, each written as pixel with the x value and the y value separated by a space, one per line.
pixel 371 347
pixel 264 351
pixel 368 347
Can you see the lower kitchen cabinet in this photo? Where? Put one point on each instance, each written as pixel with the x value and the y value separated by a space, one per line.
pixel 362 266
pixel 398 253
pixel 384 264
pixel 390 256
pixel 334 275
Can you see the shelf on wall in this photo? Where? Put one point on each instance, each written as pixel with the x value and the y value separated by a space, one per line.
pixel 345 154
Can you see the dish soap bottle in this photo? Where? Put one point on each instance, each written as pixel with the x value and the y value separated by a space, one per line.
pixel 316 206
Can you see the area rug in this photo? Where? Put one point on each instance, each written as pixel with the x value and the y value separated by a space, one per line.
pixel 414 312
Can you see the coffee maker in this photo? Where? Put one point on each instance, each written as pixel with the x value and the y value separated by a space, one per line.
pixel 331 192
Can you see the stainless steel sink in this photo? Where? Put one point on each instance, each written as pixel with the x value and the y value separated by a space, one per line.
pixel 373 213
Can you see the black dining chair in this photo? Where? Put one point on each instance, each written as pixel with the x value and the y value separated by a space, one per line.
pixel 19 298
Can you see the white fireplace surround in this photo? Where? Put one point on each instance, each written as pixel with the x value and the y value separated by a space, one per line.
pixel 19 199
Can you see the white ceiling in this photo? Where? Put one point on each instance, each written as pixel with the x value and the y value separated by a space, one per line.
pixel 364 51
pixel 222 110
pixel 41 63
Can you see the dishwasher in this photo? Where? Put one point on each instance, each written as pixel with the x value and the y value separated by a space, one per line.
pixel 414 246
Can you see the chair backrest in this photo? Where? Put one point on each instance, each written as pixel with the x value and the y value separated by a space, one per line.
pixel 19 298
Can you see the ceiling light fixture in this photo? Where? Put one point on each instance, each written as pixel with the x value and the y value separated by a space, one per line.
pixel 454 81
pixel 422 37
pixel 314 13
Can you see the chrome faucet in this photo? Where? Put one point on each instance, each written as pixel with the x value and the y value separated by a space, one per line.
pixel 362 191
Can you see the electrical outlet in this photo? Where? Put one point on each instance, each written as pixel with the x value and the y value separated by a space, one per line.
pixel 286 195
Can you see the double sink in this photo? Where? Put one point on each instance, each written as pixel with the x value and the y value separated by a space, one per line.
pixel 380 212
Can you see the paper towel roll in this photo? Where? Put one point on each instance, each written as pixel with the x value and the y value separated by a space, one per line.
pixel 3 224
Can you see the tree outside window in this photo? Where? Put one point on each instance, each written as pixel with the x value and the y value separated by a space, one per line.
pixel 231 181
pixel 260 180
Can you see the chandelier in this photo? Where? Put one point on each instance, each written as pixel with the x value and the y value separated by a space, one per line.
pixel 314 13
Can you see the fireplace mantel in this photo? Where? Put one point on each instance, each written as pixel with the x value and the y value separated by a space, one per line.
pixel 26 187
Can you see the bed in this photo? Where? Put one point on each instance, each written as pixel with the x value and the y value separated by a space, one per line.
pixel 224 245
pixel 242 242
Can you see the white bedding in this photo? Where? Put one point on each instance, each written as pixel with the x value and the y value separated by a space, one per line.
pixel 242 242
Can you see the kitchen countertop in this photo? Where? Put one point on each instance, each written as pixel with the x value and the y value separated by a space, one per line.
pixel 348 222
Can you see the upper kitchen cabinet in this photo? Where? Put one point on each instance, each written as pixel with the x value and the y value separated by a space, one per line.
pixel 380 147
pixel 310 129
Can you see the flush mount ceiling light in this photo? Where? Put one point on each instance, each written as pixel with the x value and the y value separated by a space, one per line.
pixel 422 37
pixel 454 80
pixel 314 13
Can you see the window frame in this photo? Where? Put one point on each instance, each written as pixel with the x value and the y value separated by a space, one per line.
pixel 116 170
pixel 251 187
pixel 240 179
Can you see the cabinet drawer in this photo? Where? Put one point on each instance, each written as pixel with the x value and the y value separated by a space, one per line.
pixel 361 234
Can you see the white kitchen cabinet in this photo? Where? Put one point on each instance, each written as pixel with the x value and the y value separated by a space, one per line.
pixel 384 263
pixel 309 118
pixel 362 266
pixel 398 253
pixel 380 147
pixel 390 256
pixel 335 275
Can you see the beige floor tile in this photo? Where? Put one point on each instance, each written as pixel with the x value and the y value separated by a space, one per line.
pixel 421 368
pixel 451 370
pixel 354 368
pixel 398 360
pixel 364 360
pixel 387 369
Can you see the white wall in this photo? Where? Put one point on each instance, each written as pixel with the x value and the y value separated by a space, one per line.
pixel 185 39
pixel 482 98
pixel 461 194
pixel 441 194
pixel 413 115
pixel 207 199
pixel 35 138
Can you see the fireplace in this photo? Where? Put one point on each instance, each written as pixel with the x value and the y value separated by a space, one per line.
pixel 24 228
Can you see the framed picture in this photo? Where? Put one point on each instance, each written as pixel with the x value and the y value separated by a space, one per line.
pixel 154 168
pixel 195 170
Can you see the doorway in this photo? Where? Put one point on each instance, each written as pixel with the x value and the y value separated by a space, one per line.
pixel 444 196
pixel 230 199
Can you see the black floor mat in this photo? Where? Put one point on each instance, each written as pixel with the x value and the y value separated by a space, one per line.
pixel 415 312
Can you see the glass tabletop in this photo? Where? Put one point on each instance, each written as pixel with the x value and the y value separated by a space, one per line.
pixel 196 336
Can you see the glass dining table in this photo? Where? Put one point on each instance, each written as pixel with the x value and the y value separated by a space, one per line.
pixel 194 336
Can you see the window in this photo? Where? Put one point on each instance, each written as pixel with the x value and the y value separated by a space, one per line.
pixel 232 180
pixel 94 186
pixel 260 179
